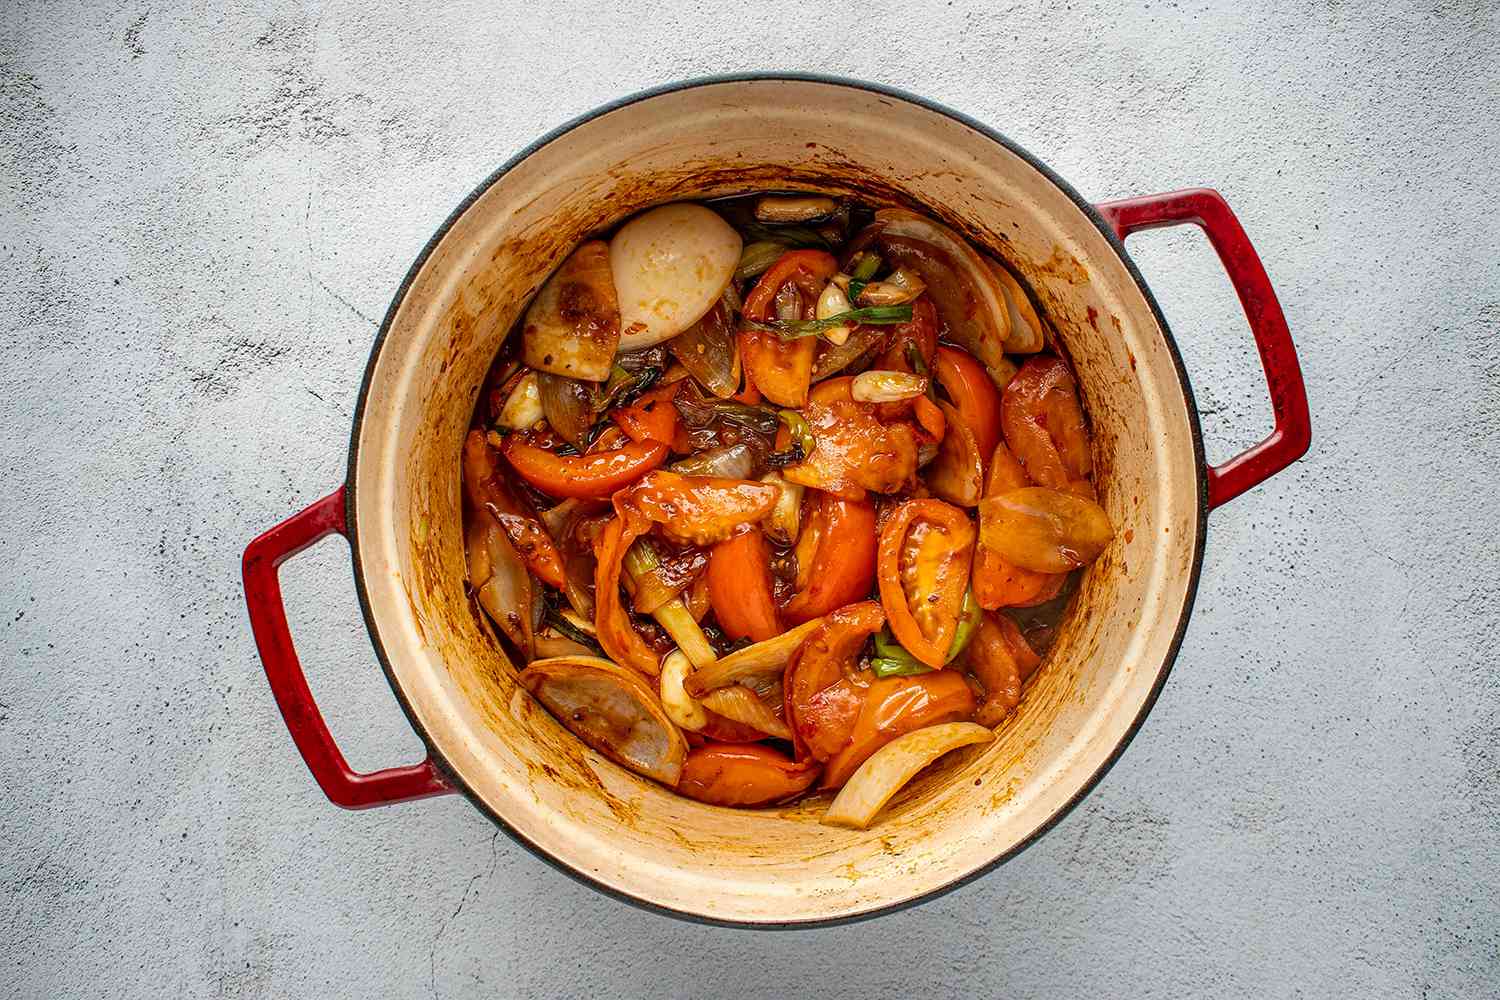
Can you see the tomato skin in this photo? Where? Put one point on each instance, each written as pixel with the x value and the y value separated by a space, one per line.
pixel 596 475
pixel 781 370
pixel 842 568
pixel 973 394
pixel 745 775
pixel 949 576
pixel 652 417
pixel 739 587
pixel 822 692
pixel 895 706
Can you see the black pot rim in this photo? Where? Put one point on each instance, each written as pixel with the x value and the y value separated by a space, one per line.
pixel 436 753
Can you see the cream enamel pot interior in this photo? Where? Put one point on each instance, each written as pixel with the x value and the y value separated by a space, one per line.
pixel 624 834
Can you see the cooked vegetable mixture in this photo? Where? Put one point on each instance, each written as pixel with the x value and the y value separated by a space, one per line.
pixel 776 495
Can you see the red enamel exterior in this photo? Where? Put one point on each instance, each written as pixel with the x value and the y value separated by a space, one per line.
pixel 343 785
pixel 1208 210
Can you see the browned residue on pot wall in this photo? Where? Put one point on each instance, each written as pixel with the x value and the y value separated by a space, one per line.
pixel 624 829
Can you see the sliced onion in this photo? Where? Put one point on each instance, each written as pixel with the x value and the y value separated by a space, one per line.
pixel 1026 330
pixel 785 520
pixel 833 302
pixel 969 297
pixel 735 461
pixel 764 657
pixel 666 579
pixel 683 709
pixel 523 407
pixel 572 327
pixel 1045 531
pixel 957 474
pixel 898 288
pixel 893 765
pixel 550 642
pixel 501 583
pixel 740 704
pixel 612 710
pixel 563 524
pixel 709 351
pixel 568 405
pixel 834 358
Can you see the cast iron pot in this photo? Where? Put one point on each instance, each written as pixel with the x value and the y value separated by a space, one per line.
pixel 485 737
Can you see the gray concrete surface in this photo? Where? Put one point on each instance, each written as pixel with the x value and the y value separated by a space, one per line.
pixel 205 211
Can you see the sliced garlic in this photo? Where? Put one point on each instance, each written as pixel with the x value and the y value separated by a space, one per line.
pixel 887 386
pixel 831 303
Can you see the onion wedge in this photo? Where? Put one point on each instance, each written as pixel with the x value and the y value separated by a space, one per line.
pixel 572 327
pixel 893 765
pixel 613 710
pixel 766 657
pixel 740 704
pixel 969 295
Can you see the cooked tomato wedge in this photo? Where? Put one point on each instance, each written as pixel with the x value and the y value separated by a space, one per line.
pixel 997 583
pixel 853 450
pixel 1043 424
pixel 739 587
pixel 918 338
pixel 1003 661
pixel 894 707
pixel 596 475
pixel 973 394
pixel 611 621
pixel 782 369
pixel 652 417
pixel 487 490
pixel 1046 531
pixel 744 774
pixel 835 557
pixel 926 547
pixel 698 510
pixel 822 690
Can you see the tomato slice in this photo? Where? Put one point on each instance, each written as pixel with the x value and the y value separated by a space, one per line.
pixel 744 775
pixel 840 567
pixel 822 692
pixel 894 707
pixel 973 394
pixel 595 475
pixel 652 417
pixel 739 587
pixel 926 548
pixel 782 369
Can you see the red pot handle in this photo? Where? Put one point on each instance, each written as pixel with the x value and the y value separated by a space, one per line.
pixel 339 782
pixel 1207 209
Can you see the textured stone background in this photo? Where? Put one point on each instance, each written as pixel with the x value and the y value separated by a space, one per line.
pixel 206 211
